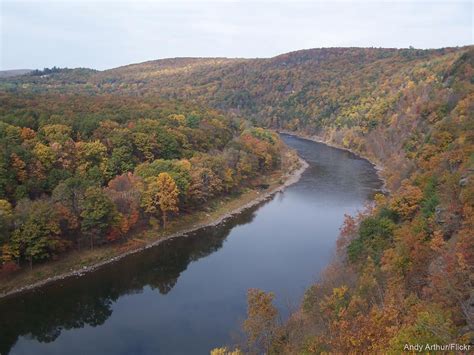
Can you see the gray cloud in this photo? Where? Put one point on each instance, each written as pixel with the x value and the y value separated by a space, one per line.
pixel 105 34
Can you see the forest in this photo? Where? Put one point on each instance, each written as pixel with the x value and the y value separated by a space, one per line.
pixel 86 154
pixel 78 171
pixel 403 271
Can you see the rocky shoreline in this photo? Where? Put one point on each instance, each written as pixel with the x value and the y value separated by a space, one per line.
pixel 290 178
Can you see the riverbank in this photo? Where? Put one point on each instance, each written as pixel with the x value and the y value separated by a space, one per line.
pixel 379 168
pixel 80 262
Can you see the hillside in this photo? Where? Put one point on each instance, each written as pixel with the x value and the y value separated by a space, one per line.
pixel 345 95
pixel 13 72
pixel 404 268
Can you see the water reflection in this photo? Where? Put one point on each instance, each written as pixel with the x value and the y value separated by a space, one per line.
pixel 187 295
pixel 73 303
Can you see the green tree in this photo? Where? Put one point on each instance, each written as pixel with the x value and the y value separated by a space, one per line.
pixel 120 161
pixel 91 154
pixel 37 236
pixel 6 220
pixel 58 133
pixel 6 182
pixel 432 326
pixel 98 214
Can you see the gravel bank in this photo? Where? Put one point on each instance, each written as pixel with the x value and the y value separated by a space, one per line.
pixel 289 179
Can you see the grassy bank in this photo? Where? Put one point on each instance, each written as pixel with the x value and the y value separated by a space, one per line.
pixel 78 262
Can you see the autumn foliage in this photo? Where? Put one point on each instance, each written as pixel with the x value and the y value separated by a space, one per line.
pixel 404 268
pixel 80 171
pixel 87 148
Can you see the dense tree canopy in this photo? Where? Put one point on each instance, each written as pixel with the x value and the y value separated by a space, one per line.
pixel 80 170
pixel 403 271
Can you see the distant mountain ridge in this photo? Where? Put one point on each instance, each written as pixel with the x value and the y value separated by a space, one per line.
pixel 268 90
pixel 347 95
pixel 14 72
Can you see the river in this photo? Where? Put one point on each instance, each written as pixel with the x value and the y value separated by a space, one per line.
pixel 188 295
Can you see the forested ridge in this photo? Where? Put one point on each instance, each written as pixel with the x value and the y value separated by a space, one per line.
pixel 404 267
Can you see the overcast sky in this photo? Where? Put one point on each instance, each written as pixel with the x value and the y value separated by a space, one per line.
pixel 105 34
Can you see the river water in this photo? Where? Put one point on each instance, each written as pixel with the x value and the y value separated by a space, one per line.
pixel 188 295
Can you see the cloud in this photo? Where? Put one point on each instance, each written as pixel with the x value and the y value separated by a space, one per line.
pixel 104 34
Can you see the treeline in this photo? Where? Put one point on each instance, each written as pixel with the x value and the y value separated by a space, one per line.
pixel 79 171
pixel 47 71
pixel 309 90
pixel 404 267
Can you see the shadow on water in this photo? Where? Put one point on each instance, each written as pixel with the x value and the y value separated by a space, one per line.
pixel 75 302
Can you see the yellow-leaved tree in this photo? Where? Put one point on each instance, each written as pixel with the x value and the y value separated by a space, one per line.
pixel 161 193
pixel 261 323
pixel 167 195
